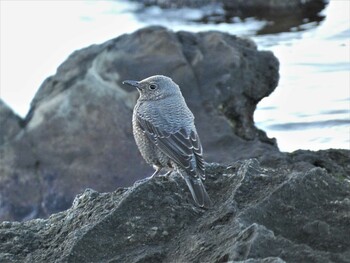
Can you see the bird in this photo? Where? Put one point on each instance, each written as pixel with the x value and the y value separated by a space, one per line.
pixel 165 133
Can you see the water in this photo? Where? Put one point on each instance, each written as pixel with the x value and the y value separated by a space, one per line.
pixel 310 109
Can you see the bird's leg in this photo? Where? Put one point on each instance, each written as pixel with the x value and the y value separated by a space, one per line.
pixel 157 171
pixel 167 173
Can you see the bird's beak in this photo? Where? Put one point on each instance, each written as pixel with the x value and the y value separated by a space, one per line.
pixel 132 83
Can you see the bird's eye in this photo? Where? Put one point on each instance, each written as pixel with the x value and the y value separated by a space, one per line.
pixel 152 86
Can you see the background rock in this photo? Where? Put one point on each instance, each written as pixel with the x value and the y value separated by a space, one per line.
pixel 272 8
pixel 283 15
pixel 246 7
pixel 260 215
pixel 78 131
pixel 10 123
pixel 335 161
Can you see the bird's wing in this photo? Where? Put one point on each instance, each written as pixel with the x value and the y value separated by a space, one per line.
pixel 179 146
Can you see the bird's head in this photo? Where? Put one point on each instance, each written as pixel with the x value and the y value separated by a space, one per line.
pixel 155 87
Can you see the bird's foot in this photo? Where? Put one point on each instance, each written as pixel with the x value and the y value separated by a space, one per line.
pixel 166 174
pixel 156 174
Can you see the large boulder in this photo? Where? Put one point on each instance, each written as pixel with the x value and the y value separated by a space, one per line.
pixel 78 131
pixel 259 215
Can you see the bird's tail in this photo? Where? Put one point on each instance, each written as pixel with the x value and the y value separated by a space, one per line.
pixel 199 194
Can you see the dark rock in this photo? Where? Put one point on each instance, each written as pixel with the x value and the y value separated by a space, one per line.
pixel 177 3
pixel 260 215
pixel 247 8
pixel 78 131
pixel 265 9
pixel 283 15
pixel 334 161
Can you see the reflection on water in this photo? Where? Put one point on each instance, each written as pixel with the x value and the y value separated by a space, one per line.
pixel 310 109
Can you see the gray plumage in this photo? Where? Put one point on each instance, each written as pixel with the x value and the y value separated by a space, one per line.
pixel 165 133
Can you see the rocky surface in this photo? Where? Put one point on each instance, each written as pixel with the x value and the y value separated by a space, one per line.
pixel 335 161
pixel 260 215
pixel 78 131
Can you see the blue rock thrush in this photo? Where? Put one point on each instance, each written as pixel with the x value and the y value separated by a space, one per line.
pixel 165 133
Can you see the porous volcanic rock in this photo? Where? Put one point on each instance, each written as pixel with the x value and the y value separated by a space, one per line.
pixel 259 215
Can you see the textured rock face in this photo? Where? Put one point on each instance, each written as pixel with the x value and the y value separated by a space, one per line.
pixel 335 161
pixel 260 215
pixel 78 131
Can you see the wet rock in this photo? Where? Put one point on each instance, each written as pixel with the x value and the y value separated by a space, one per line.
pixel 282 16
pixel 260 215
pixel 176 4
pixel 78 133
pixel 246 7
pixel 265 9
